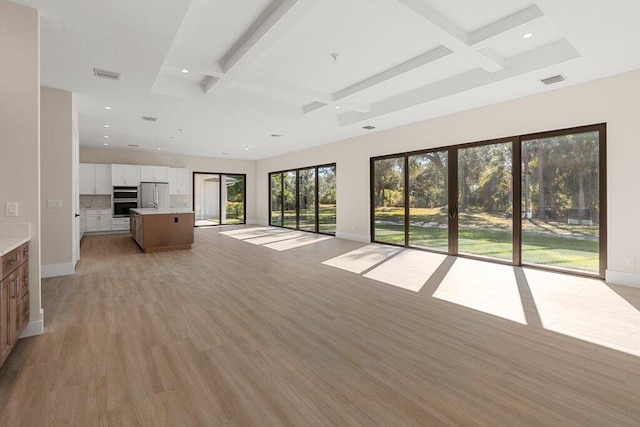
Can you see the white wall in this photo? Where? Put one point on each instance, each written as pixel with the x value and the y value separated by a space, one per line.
pixel 609 100
pixel 193 163
pixel 56 181
pixel 20 133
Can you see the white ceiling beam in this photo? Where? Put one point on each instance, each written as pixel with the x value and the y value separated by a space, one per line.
pixel 451 35
pixel 502 27
pixel 345 94
pixel 279 18
pixel 314 106
pixel 532 60
pixel 412 64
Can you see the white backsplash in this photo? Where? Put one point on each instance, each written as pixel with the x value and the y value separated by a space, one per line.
pixel 93 202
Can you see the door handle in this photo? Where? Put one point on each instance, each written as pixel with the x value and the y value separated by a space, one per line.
pixel 76 215
pixel 453 211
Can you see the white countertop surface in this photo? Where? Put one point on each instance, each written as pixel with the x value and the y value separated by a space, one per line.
pixel 168 211
pixel 12 236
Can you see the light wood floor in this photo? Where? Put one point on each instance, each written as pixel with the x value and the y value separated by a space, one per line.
pixel 233 333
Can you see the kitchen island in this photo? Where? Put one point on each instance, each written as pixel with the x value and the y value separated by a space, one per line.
pixel 156 230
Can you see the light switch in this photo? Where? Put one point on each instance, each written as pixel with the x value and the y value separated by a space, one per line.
pixel 11 209
pixel 54 203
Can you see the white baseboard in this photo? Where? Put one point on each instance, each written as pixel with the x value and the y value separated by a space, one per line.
pixel 622 278
pixel 364 238
pixel 34 328
pixel 55 270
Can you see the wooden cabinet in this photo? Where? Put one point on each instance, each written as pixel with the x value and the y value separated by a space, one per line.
pixel 98 220
pixel 94 179
pixel 154 173
pixel 163 232
pixel 14 298
pixel 125 175
pixel 178 181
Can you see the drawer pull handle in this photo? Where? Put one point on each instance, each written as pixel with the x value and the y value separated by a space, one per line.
pixel 15 288
pixel 14 261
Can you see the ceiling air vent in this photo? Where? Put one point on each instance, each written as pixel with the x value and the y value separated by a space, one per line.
pixel 554 79
pixel 106 74
pixel 133 145
pixel 149 118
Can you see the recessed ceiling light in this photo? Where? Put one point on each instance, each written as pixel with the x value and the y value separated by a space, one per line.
pixel 338 107
pixel 107 108
pixel 275 135
pixel 106 136
pixel 105 144
pixel 184 70
pixel 527 36
pixel 107 126
pixel 246 148
pixel 159 148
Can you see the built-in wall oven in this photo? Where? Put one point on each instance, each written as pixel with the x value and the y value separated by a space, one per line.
pixel 124 198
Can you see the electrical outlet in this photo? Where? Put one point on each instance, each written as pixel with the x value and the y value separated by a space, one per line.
pixel 54 203
pixel 11 209
pixel 631 262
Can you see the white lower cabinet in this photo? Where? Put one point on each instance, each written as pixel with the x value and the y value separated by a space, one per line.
pixel 98 220
pixel 120 223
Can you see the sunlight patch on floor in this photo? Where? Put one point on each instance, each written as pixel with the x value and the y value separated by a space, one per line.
pixel 362 259
pixel 248 233
pixel 305 239
pixel 483 286
pixel 276 237
pixel 586 309
pixel 410 269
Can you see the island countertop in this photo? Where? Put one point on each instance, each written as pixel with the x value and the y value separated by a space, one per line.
pixel 166 211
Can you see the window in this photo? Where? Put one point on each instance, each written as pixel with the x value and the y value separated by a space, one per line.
pixel 304 199
pixel 219 198
pixel 528 200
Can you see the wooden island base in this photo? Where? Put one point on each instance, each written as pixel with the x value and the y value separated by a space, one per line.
pixel 156 232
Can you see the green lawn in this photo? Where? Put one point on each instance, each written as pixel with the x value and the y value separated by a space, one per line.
pixel 326 218
pixel 544 243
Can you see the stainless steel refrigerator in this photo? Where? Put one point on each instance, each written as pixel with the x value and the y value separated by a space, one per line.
pixel 154 195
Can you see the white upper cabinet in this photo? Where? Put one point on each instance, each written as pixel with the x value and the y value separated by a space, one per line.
pixel 87 173
pixel 154 174
pixel 94 179
pixel 103 179
pixel 125 175
pixel 178 181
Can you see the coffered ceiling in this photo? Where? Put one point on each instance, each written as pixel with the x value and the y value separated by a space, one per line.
pixel 266 77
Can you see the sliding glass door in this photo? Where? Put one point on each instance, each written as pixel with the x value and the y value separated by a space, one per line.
pixel 561 201
pixel 429 200
pixel 304 199
pixel 307 199
pixel 533 200
pixel 218 198
pixel 389 200
pixel 327 203
pixel 485 200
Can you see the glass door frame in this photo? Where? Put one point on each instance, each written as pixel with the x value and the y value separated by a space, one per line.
pixel 516 172
pixel 297 197
pixel 220 207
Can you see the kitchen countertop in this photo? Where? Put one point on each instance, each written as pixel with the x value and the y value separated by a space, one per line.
pixel 12 236
pixel 168 211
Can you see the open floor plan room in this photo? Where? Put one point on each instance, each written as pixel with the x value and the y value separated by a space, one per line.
pixel 239 332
